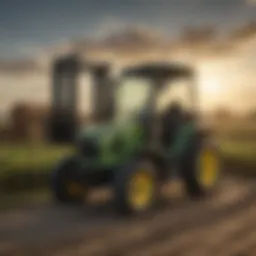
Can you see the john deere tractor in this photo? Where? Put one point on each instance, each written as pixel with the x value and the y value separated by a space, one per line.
pixel 142 145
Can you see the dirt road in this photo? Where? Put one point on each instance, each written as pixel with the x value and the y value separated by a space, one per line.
pixel 224 224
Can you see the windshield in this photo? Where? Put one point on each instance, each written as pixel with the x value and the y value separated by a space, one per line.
pixel 132 97
pixel 177 91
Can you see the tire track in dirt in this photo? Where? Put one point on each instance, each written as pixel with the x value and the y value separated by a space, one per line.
pixel 159 229
pixel 179 229
pixel 164 232
pixel 202 238
pixel 243 247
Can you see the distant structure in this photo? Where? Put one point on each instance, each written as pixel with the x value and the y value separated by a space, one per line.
pixel 27 121
pixel 222 114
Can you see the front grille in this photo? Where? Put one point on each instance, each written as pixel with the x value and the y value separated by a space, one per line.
pixel 89 147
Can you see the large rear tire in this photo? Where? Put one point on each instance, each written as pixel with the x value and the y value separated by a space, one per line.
pixel 201 169
pixel 135 188
pixel 65 184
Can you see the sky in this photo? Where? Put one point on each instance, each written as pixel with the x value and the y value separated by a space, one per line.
pixel 30 28
pixel 27 26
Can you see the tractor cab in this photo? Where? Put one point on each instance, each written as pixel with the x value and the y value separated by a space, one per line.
pixel 161 95
pixel 138 91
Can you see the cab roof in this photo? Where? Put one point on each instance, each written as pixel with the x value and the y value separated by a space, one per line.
pixel 159 70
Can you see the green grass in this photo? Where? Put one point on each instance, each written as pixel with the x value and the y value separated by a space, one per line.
pixel 36 158
pixel 24 199
pixel 29 158
pixel 243 150
pixel 239 157
pixel 238 143
pixel 26 166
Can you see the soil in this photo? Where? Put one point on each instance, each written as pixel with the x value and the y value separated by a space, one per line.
pixel 223 224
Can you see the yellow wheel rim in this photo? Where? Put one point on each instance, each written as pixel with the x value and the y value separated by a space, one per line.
pixel 208 169
pixel 75 188
pixel 141 190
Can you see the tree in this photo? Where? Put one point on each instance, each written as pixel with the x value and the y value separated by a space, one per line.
pixel 27 121
pixel 222 113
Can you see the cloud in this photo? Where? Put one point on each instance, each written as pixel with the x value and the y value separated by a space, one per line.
pixel 244 32
pixel 251 2
pixel 19 66
pixel 123 41
pixel 137 40
pixel 109 25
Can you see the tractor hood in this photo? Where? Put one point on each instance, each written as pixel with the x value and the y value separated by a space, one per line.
pixel 103 131
pixel 110 142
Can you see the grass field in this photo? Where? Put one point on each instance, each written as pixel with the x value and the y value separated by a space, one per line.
pixel 28 166
pixel 29 158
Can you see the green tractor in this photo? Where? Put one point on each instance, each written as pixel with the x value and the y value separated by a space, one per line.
pixel 141 145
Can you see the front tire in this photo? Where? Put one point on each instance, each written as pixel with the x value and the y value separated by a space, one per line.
pixel 135 188
pixel 66 187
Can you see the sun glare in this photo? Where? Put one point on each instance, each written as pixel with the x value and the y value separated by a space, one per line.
pixel 209 84
pixel 211 89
